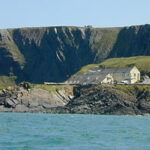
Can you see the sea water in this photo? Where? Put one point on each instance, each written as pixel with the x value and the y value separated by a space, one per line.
pixel 25 131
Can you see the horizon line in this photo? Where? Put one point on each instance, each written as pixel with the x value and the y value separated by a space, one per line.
pixel 53 26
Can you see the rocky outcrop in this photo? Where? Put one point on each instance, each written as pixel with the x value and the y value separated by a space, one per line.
pixel 92 99
pixel 103 100
pixel 33 100
pixel 54 54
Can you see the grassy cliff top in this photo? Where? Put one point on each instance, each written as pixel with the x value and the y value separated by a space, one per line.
pixel 141 62
pixel 6 81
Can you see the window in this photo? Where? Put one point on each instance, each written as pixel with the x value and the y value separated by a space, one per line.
pixel 138 76
pixel 123 74
pixel 134 74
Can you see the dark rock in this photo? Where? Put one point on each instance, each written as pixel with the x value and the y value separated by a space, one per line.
pixel 104 100
pixel 93 99
pixel 144 106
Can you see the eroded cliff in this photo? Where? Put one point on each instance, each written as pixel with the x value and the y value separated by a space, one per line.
pixel 55 53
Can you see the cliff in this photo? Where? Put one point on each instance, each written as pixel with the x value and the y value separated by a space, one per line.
pixel 55 53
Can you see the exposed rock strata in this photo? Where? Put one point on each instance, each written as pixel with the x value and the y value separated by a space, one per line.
pixel 55 53
pixel 87 100
pixel 32 100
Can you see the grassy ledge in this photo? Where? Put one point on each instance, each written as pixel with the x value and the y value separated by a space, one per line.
pixel 141 62
pixel 6 81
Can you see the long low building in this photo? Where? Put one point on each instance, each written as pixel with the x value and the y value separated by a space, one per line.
pixel 91 79
pixel 106 76
pixel 130 74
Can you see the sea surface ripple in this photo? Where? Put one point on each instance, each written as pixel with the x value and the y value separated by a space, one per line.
pixel 25 131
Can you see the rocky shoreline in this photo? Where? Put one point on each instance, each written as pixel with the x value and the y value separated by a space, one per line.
pixel 91 99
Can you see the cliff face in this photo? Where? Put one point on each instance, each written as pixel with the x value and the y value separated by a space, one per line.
pixel 55 53
pixel 132 41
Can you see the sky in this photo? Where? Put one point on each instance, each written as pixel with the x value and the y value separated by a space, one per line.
pixel 98 13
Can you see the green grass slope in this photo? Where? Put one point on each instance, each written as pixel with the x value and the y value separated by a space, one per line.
pixel 6 81
pixel 141 62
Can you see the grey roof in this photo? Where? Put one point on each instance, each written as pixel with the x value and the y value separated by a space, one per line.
pixel 94 78
pixel 116 70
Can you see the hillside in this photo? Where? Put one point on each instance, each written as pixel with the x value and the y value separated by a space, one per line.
pixel 55 53
pixel 141 62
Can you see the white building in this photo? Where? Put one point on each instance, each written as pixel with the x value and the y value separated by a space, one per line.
pixel 106 76
pixel 131 74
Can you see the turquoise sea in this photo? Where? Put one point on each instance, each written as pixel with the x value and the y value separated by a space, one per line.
pixel 25 131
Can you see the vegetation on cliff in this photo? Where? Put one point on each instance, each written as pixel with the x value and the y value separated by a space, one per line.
pixel 55 53
pixel 141 62
pixel 134 89
pixel 6 81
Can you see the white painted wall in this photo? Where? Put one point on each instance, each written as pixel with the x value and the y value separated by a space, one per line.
pixel 133 76
pixel 108 79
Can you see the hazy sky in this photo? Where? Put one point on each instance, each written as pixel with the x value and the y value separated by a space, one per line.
pixel 98 13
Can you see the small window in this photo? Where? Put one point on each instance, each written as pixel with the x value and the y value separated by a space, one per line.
pixel 138 76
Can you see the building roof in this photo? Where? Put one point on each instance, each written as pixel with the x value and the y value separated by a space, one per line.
pixel 96 76
pixel 116 70
pixel 93 78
